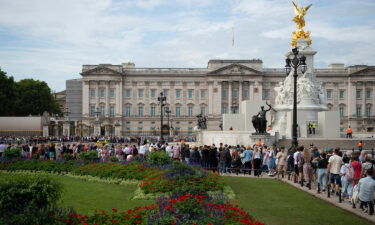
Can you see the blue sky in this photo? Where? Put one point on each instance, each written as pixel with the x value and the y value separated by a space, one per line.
pixel 50 40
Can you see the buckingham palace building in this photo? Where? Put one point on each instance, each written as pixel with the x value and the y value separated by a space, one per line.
pixel 123 99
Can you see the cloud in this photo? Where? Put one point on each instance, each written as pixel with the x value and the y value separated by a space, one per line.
pixel 51 40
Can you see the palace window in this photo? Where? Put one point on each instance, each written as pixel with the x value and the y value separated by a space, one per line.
pixel 140 93
pixel 224 94
pixel 178 111
pixel 329 94
pixel 112 93
pixel 153 110
pixel 92 110
pixel 234 94
pixel 128 93
pixel 140 110
pixel 128 110
pixel 101 93
pixel 112 110
pixel 101 110
pixel 341 94
pixel 368 94
pixel 358 94
pixel 153 93
pixel 190 111
pixel 190 130
pixel 190 93
pixel 92 93
pixel 203 93
pixel 223 109
pixel 165 92
pixel 358 110
pixel 266 94
pixel 368 110
pixel 341 111
pixel 245 94
pixel 178 93
pixel 203 110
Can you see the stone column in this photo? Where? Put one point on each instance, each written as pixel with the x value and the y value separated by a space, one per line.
pixel 210 98
pixel 351 99
pixel 218 99
pixel 230 97
pixel 363 104
pixel 118 97
pixel 66 129
pixel 97 94
pixel 239 93
pixel 106 113
pixel 85 98
pixel 251 91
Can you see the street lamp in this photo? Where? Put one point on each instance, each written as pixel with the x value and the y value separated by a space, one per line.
pixel 162 99
pixel 295 63
pixel 168 112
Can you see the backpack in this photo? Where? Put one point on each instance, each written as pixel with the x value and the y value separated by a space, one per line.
pixel 349 175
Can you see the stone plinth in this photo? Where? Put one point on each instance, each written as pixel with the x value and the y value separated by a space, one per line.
pixel 233 138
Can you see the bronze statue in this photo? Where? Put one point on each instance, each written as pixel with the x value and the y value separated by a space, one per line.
pixel 202 122
pixel 259 121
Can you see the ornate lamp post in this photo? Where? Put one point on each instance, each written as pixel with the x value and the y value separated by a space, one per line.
pixel 168 112
pixel 295 63
pixel 162 99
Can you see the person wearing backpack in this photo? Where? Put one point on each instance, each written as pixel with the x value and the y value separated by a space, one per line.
pixel 347 176
pixel 357 167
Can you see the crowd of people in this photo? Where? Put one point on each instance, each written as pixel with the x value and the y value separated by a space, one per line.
pixel 348 174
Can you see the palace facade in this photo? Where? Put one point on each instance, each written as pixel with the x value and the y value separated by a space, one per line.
pixel 123 99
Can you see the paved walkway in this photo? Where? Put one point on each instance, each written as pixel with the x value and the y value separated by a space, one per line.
pixel 334 200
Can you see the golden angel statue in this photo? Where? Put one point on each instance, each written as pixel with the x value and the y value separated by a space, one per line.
pixel 300 13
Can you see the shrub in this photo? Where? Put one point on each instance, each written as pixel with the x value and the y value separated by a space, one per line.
pixel 26 199
pixel 13 153
pixel 158 158
pixel 90 156
pixel 113 159
pixel 67 157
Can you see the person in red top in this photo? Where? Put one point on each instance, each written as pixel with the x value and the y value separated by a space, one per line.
pixel 349 133
pixel 357 167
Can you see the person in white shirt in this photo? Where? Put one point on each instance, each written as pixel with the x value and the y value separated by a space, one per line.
pixel 346 172
pixel 2 148
pixel 333 170
pixel 168 149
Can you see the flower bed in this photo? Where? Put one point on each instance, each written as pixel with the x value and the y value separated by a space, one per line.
pixel 183 209
pixel 153 179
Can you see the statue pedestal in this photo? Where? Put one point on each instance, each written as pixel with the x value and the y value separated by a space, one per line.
pixel 234 138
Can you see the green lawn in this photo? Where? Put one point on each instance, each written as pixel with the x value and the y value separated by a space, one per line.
pixel 274 202
pixel 85 196
pixel 269 201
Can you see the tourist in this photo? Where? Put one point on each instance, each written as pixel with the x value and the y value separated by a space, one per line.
pixel 204 153
pixel 185 153
pixel 360 146
pixel 195 156
pixel 236 163
pixel 176 152
pixel 247 157
pixel 366 188
pixel 212 158
pixel 297 157
pixel 271 161
pixel 306 165
pixel 168 150
pixel 333 171
pixel 362 157
pixel 256 161
pixel 349 133
pixel 281 158
pixel 367 165
pixel 357 167
pixel 222 160
pixel 2 148
pixel 322 171
pixel 347 176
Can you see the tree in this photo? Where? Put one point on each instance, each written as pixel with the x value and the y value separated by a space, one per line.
pixel 7 94
pixel 34 97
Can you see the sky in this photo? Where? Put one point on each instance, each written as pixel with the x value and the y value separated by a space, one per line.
pixel 50 40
